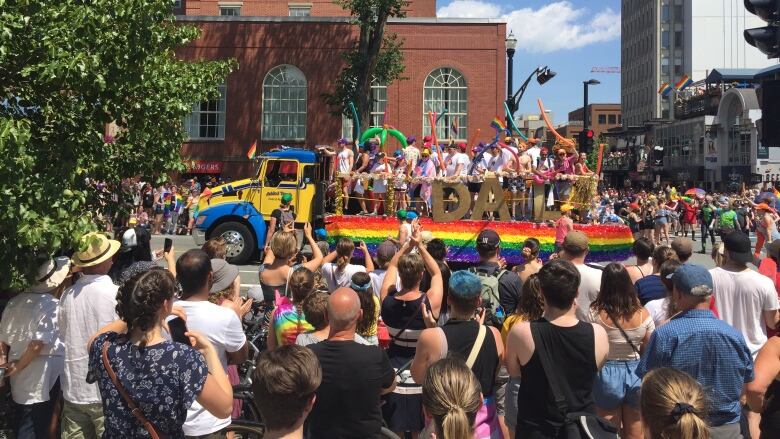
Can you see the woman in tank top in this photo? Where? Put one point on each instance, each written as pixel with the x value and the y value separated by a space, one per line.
pixel 629 326
pixel 763 394
pixel 280 262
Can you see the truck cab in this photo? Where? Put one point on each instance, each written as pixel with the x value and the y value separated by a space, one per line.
pixel 239 211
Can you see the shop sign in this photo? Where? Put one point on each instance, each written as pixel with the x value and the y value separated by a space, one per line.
pixel 204 167
pixel 763 151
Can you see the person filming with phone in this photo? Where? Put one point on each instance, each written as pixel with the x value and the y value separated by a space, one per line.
pixel 135 365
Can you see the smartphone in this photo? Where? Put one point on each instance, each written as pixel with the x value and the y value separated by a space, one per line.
pixel 167 246
pixel 357 243
pixel 178 328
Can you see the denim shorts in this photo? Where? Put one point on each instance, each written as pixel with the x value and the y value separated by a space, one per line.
pixel 617 383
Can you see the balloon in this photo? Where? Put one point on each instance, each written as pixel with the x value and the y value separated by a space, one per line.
pixel 565 141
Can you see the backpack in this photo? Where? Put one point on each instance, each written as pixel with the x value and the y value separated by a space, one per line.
pixel 490 297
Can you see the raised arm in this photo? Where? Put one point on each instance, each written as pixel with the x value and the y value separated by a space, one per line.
pixel 367 257
pixel 767 367
pixel 316 253
pixel 391 274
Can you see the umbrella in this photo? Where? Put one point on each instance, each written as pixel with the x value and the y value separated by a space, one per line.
pixel 696 191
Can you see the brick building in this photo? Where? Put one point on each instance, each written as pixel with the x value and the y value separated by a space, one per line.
pixel 601 117
pixel 287 63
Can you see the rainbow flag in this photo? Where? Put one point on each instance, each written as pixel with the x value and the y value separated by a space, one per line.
pixel 252 151
pixel 683 82
pixel 776 192
pixel 454 127
pixel 607 242
pixel 497 124
pixel 665 89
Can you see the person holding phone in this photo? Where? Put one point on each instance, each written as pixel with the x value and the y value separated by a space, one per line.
pixel 132 359
pixel 336 267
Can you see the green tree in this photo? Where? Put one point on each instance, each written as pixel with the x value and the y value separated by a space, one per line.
pixel 376 56
pixel 67 69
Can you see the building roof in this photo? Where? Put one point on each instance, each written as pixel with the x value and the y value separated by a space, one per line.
pixel 731 75
pixel 302 155
pixel 285 19
pixel 768 71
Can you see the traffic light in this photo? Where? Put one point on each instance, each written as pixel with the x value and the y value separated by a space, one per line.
pixel 586 141
pixel 767 38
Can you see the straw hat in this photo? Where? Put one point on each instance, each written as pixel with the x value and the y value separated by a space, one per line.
pixel 51 274
pixel 99 249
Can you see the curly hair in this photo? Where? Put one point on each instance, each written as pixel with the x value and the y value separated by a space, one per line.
pixel 140 298
pixel 361 283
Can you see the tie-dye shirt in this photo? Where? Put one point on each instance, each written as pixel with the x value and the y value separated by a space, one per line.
pixel 287 322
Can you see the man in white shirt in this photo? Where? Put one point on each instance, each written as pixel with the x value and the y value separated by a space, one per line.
pixel 457 161
pixel 220 324
pixel 85 307
pixel 745 299
pixel 575 249
pixel 29 335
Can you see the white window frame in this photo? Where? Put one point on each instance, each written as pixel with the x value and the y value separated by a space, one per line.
pixel 378 108
pixel 177 4
pixel 285 97
pixel 193 122
pixel 441 83
pixel 299 9
pixel 224 8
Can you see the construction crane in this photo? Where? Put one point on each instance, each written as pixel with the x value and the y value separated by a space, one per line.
pixel 605 70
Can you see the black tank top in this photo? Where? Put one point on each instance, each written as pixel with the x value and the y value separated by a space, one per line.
pixel 574 350
pixel 461 335
pixel 770 417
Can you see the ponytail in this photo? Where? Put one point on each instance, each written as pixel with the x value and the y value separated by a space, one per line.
pixel 673 405
pixel 344 249
pixel 452 396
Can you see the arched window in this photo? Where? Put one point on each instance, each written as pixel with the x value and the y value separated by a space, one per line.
pixel 379 94
pixel 445 88
pixel 284 104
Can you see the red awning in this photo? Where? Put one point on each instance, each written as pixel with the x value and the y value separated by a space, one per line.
pixel 204 167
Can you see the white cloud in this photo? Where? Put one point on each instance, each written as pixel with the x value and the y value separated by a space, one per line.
pixel 555 26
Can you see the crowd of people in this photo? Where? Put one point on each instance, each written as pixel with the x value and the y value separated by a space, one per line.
pixel 662 348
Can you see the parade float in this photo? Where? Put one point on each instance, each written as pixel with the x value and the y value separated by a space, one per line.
pixel 238 211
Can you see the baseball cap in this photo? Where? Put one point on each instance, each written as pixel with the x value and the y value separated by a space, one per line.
pixel 738 246
pixel 387 250
pixel 462 146
pixel 488 239
pixel 320 234
pixel 129 240
pixel 426 152
pixel 224 274
pixel 682 246
pixel 286 198
pixel 689 276
pixel 410 215
pixel 401 214
pixel 398 153
pixel 575 241
pixel 343 141
pixel 427 139
pixel 411 139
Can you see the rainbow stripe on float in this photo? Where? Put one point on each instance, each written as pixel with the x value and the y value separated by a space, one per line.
pixel 607 242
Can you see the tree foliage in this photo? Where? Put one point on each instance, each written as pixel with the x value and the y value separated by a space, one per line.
pixel 68 68
pixel 376 56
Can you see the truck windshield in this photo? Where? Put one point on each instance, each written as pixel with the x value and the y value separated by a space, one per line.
pixel 278 171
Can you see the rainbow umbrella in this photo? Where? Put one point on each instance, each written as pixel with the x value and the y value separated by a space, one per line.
pixel 696 192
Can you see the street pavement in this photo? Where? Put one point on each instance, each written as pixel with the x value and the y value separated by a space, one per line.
pixel 249 277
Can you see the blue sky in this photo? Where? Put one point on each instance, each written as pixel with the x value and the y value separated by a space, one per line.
pixel 569 36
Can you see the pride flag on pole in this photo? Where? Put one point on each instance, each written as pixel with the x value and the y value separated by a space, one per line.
pixel 454 127
pixel 683 82
pixel 252 151
pixel 497 124
pixel 664 89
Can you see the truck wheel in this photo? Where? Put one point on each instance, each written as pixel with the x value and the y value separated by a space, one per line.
pixel 240 241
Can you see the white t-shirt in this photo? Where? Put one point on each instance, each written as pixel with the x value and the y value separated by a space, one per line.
pixel 590 283
pixel 85 307
pixel 741 298
pixel 534 152
pixel 343 160
pixel 223 328
pixel 411 155
pixel 506 153
pixel 659 310
pixel 33 317
pixel 341 278
pixel 492 163
pixel 380 184
pixel 458 159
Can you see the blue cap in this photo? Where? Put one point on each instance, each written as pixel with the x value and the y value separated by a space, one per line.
pixel 689 276
pixel 398 153
pixel 411 139
pixel 320 234
pixel 411 215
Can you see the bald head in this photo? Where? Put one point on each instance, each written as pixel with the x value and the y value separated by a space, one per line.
pixel 343 309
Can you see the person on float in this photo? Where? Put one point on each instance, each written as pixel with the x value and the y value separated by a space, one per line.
pixel 425 169
pixel 456 166
pixel 361 184
pixel 342 165
pixel 382 171
pixel 399 181
pixel 492 163
pixel 511 185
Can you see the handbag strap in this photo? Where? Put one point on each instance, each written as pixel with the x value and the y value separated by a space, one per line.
pixel 409 321
pixel 477 346
pixel 547 365
pixel 137 413
pixel 625 335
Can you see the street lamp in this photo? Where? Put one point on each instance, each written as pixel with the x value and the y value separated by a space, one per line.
pixel 585 84
pixel 543 74
pixel 511 44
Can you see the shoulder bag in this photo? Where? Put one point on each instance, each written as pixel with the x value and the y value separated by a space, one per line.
pixel 577 425
pixel 137 413
pixel 625 336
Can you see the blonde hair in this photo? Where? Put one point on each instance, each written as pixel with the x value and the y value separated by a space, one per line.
pixel 452 396
pixel 673 405
pixel 284 245
pixel 718 254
